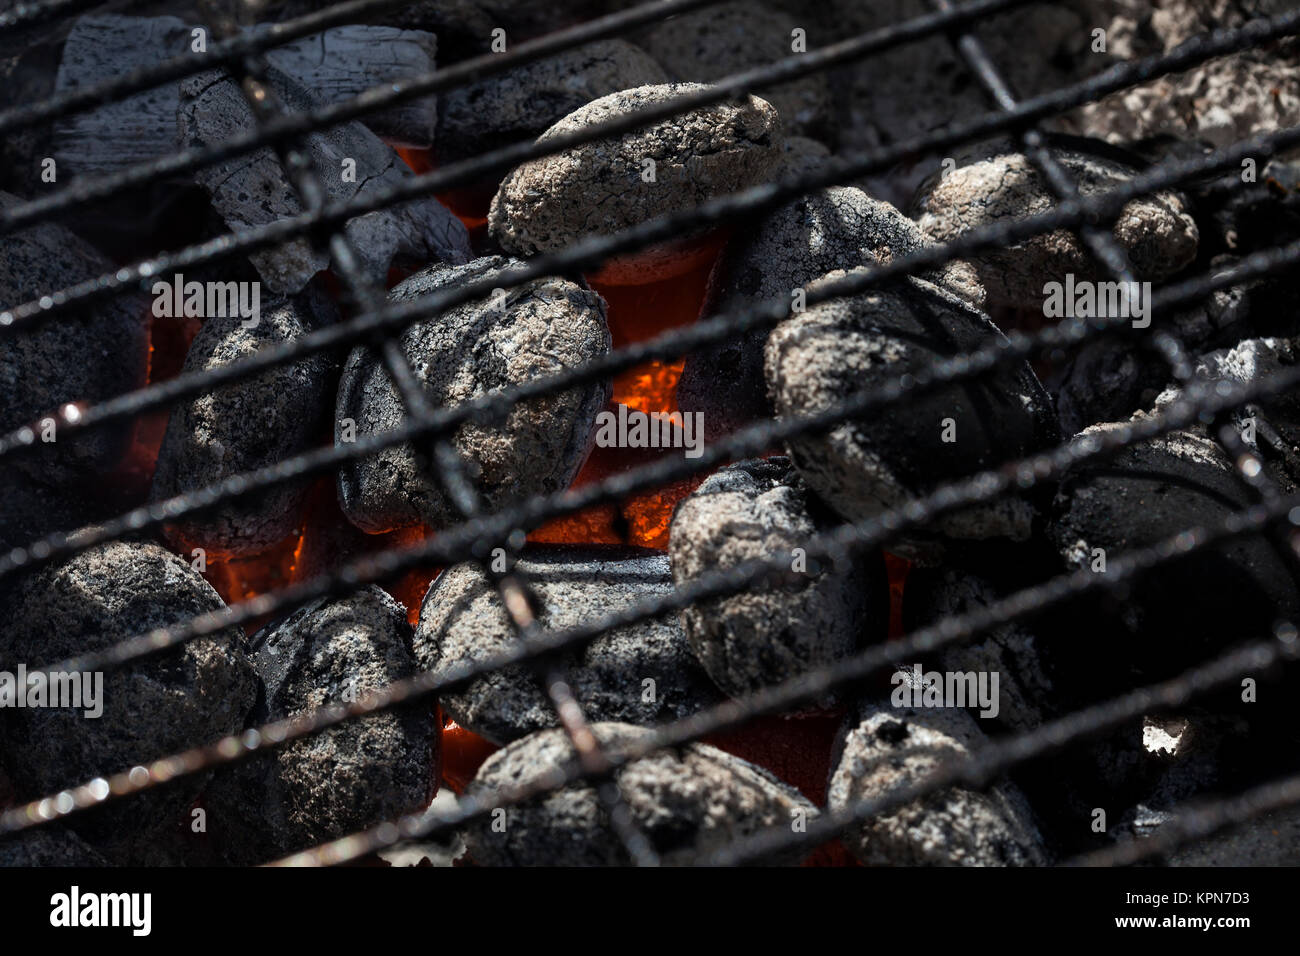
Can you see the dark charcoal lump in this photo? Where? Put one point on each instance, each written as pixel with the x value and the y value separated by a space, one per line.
pixel 860 468
pixel 163 704
pixel 520 104
pixel 685 799
pixel 546 326
pixel 463 621
pixel 707 45
pixel 887 748
pixel 252 190
pixel 49 845
pixel 837 228
pixel 1011 651
pixel 346 778
pixel 1187 610
pixel 1156 231
pixel 84 356
pixel 601 187
pixel 760 510
pixel 245 426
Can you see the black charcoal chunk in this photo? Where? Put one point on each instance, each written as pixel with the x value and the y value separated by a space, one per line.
pixel 521 104
pixel 463 27
pixel 837 228
pixel 346 778
pixel 1025 696
pixel 862 467
pixel 244 426
pixel 707 45
pixel 1156 231
pixel 761 510
pixel 163 704
pixel 253 190
pixel 640 674
pixel 887 748
pixel 49 845
pixel 84 356
pixel 603 187
pixel 534 330
pixel 1187 610
pixel 684 800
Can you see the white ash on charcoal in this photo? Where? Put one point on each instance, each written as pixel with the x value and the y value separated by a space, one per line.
pixel 253 190
pixel 1025 692
pixel 335 65
pixel 836 228
pixel 85 356
pixel 531 331
pixel 1185 611
pixel 343 779
pixel 247 425
pixel 885 749
pixel 521 104
pixel 609 185
pixel 844 347
pixel 641 674
pixel 707 45
pixel 1221 101
pixel 759 510
pixel 1001 185
pixel 685 800
pixel 169 702
pixel 49 845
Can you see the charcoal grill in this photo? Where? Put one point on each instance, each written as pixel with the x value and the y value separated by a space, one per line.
pixel 378 320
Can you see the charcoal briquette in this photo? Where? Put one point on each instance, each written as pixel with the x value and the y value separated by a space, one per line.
pixel 244 426
pixel 168 702
pixel 761 510
pixel 887 748
pixel 642 674
pixel 534 330
pixel 343 779
pixel 836 228
pixel 609 185
pixel 862 467
pixel 684 800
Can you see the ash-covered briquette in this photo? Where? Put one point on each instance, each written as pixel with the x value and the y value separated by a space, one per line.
pixel 684 800
pixel 886 748
pixel 1221 101
pixel 86 356
pixel 534 330
pixel 248 425
pixel 760 510
pixel 49 845
pixel 641 674
pixel 253 190
pixel 707 45
pixel 606 186
pixel 166 703
pixel 836 228
pixel 521 104
pixel 1025 693
pixel 1187 610
pixel 336 65
pixel 348 777
pixel 843 347
pixel 1156 231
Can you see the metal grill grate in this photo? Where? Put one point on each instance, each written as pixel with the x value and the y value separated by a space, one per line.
pixel 378 320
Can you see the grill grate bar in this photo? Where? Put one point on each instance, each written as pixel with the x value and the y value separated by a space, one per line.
pixel 670 345
pixel 870 533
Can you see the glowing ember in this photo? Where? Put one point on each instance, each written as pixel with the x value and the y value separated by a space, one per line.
pixel 463 753
pixel 897 569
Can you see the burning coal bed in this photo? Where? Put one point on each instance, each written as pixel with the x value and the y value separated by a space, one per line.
pixel 500 730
